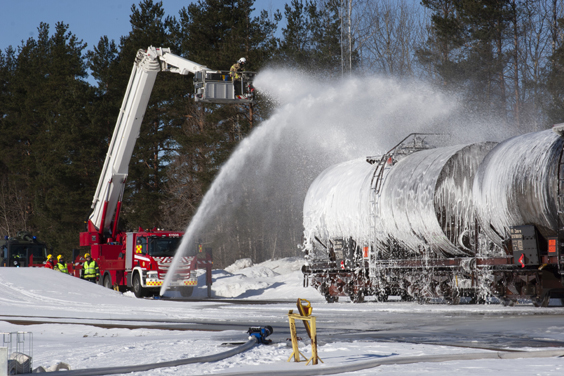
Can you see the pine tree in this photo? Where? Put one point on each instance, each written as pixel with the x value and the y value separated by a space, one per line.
pixel 311 38
pixel 468 50
pixel 555 83
pixel 47 150
pixel 13 194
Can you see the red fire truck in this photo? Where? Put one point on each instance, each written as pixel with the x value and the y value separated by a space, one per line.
pixel 140 260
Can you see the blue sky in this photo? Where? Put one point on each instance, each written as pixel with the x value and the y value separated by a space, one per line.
pixel 88 20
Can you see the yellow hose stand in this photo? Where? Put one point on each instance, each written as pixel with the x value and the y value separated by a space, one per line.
pixel 292 317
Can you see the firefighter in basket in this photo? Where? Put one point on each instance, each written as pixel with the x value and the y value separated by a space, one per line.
pixel 90 269
pixel 235 73
pixel 61 265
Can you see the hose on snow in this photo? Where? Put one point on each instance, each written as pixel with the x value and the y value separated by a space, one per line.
pixel 358 366
pixel 172 363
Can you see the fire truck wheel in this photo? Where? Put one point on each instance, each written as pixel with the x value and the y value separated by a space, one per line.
pixel 186 292
pixel 138 290
pixel 108 281
pixel 357 297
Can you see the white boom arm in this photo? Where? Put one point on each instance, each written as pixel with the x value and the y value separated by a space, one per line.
pixel 114 173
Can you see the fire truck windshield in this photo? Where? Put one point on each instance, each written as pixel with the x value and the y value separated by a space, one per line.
pixel 163 247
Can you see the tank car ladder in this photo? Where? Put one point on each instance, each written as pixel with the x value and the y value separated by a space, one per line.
pixel 375 186
pixel 401 149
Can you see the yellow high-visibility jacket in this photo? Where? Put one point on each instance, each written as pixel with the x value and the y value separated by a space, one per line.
pixel 62 267
pixel 90 269
pixel 234 71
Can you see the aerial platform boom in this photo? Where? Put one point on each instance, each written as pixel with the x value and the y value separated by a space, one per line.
pixel 210 86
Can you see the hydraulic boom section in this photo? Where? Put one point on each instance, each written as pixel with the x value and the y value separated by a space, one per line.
pixel 210 87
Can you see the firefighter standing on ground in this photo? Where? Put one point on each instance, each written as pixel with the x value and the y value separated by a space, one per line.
pixel 61 265
pixel 235 76
pixel 90 269
pixel 50 262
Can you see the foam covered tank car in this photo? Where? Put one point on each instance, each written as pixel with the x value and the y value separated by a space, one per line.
pixel 475 222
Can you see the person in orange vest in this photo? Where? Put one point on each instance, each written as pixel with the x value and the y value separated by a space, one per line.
pixel 61 265
pixel 50 263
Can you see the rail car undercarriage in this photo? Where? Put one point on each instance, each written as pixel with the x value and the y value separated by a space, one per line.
pixel 471 280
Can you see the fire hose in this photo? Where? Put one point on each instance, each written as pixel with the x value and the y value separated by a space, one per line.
pixel 393 360
pixel 256 335
pixel 260 334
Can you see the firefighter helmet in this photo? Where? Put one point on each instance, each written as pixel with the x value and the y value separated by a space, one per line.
pixel 86 255
pixel 49 257
pixel 60 257
pixel 242 60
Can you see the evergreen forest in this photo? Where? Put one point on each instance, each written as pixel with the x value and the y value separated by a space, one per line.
pixel 59 99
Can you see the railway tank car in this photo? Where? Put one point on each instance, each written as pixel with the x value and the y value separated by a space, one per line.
pixel 478 220
pixel 525 190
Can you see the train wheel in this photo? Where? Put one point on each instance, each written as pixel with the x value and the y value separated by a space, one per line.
pixel 331 299
pixel 454 299
pixel 476 299
pixel 507 302
pixel 382 297
pixel 541 301
pixel 406 297
pixel 357 297
pixel 138 290
pixel 422 300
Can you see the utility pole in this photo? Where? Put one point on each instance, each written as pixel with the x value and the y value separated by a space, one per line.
pixel 346 36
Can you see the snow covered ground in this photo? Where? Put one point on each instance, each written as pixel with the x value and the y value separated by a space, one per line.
pixel 88 326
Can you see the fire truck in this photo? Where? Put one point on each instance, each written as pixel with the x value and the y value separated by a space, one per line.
pixel 22 250
pixel 140 260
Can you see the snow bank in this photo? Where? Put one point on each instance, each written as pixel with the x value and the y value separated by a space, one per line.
pixel 239 264
pixel 271 280
pixel 29 292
